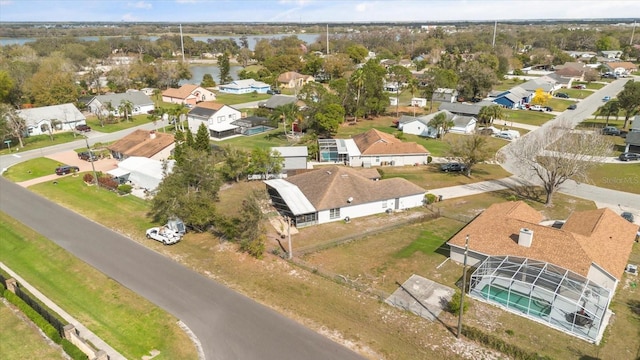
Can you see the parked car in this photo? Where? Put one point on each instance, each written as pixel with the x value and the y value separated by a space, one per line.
pixel 87 156
pixel 610 130
pixel 453 167
pixel 627 216
pixel 562 95
pixel 629 156
pixel 504 135
pixel 536 108
pixel 83 128
pixel 273 91
pixel 580 86
pixel 606 98
pixel 66 169
pixel 163 235
pixel 572 107
pixel 548 108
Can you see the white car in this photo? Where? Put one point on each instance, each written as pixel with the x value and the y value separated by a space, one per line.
pixel 164 235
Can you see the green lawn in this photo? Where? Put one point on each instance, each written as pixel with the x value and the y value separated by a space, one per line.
pixel 21 340
pixel 125 320
pixel 536 118
pixel 577 93
pixel 40 141
pixel 430 176
pixel 31 169
pixel 121 125
pixel 622 177
pixel 232 99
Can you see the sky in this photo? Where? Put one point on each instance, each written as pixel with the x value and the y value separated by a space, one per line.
pixel 361 11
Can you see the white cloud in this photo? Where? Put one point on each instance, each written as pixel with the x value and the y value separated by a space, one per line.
pixel 140 5
pixel 129 17
pixel 362 7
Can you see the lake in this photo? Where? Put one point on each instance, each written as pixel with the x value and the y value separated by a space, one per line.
pixel 198 71
pixel 252 39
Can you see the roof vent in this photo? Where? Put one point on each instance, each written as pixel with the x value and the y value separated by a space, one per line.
pixel 526 237
pixel 328 172
pixel 350 199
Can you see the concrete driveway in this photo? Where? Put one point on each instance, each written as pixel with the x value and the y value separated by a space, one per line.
pixel 70 157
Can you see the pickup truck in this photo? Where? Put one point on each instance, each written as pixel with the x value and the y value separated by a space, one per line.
pixel 536 108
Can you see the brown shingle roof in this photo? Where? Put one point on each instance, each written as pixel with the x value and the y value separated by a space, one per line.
pixel 375 142
pixel 622 64
pixel 140 143
pixel 594 236
pixel 182 93
pixel 210 105
pixel 329 187
pixel 290 75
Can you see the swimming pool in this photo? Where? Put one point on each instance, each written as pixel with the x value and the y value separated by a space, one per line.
pixel 516 300
pixel 257 130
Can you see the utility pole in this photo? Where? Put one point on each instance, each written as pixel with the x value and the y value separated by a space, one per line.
pixel 327 39
pixel 91 159
pixel 289 236
pixel 464 286
pixel 182 42
pixel 633 31
pixel 495 27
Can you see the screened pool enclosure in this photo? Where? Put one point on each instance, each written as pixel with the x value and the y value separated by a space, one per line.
pixel 543 292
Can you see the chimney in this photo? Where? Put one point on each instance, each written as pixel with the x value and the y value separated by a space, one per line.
pixel 152 134
pixel 525 238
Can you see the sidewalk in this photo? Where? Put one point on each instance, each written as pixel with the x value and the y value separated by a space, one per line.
pixel 477 188
pixel 83 331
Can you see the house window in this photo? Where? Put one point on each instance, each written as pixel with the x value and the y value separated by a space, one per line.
pixel 220 119
pixel 210 121
pixel 334 213
pixel 377 159
pixel 232 117
pixel 384 204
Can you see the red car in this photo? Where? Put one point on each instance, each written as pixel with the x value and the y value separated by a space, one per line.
pixel 83 128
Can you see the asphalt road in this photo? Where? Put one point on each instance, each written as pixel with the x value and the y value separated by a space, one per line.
pixel 228 324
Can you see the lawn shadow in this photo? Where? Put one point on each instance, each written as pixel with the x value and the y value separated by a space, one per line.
pixel 634 305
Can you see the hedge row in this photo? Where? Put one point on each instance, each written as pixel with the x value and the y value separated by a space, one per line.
pixel 73 351
pixel 500 345
pixel 43 324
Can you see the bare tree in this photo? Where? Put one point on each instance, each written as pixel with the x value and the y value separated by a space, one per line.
pixel 470 151
pixel 555 154
pixel 11 123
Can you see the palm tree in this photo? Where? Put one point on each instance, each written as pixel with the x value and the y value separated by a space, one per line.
pixel 358 81
pixel 126 107
pixel 441 124
pixel 286 113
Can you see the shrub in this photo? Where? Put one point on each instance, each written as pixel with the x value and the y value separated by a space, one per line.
pixel 88 178
pixel 124 189
pixel 429 159
pixel 254 247
pixel 47 328
pixel 430 198
pixel 454 304
pixel 108 182
pixel 73 351
pixel 500 345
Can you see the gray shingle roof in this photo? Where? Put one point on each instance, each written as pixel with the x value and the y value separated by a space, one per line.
pixel 67 113
pixel 137 98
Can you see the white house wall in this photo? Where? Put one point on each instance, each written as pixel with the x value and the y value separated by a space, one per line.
pixel 418 128
pixel 293 163
pixel 473 259
pixel 372 208
pixel 601 277
pixel 390 160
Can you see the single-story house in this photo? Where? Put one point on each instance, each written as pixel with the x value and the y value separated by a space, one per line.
pixel 445 95
pixel 611 54
pixel 419 102
pixel 561 276
pixel 40 120
pixel 144 143
pixel 295 157
pixel 513 98
pixel 574 70
pixel 245 86
pixel 546 83
pixel 417 126
pixel 621 68
pixel 142 103
pixel 465 109
pixel 632 140
pixel 292 80
pixel 461 124
pixel 337 193
pixel 279 100
pixel 217 117
pixel 377 148
pixel 187 94
pixel 141 172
